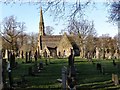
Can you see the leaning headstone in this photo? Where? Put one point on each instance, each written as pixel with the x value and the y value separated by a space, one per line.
pixel 116 79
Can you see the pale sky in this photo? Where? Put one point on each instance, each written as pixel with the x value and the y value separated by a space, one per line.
pixel 30 15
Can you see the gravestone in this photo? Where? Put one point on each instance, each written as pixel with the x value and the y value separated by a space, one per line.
pixel 116 79
pixel 45 54
pixel 114 63
pixel 26 57
pixel 30 71
pixel 113 77
pixel 71 78
pixel 4 66
pixel 40 65
pixel 10 77
pixel 29 56
pixel 64 78
pixel 71 59
pixel 99 67
pixel 22 54
pixel 6 54
pixel 12 60
pixel 35 67
pixel 35 56
pixel 103 70
pixel 46 62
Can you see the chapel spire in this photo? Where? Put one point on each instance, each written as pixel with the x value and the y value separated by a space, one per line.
pixel 41 24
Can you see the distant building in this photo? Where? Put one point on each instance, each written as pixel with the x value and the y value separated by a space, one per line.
pixel 56 45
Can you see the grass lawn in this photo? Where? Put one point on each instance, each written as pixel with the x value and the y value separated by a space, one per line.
pixel 88 77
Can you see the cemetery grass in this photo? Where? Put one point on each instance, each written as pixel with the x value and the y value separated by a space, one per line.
pixel 88 77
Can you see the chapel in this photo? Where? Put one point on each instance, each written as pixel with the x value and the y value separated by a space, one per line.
pixel 56 45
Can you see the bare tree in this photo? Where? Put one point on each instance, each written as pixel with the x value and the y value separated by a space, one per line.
pixel 49 30
pixel 33 41
pixel 84 29
pixel 114 11
pixel 11 31
pixel 58 8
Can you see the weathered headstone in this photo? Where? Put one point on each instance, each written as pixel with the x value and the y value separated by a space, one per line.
pixel 6 54
pixel 99 67
pixel 116 79
pixel 26 55
pixel 35 56
pixel 22 54
pixel 71 72
pixel 45 54
pixel 103 70
pixel 113 77
pixel 29 56
pixel 71 59
pixel 4 66
pixel 40 65
pixel 114 63
pixel 64 78
pixel 12 60
pixel 10 77
pixel 46 62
